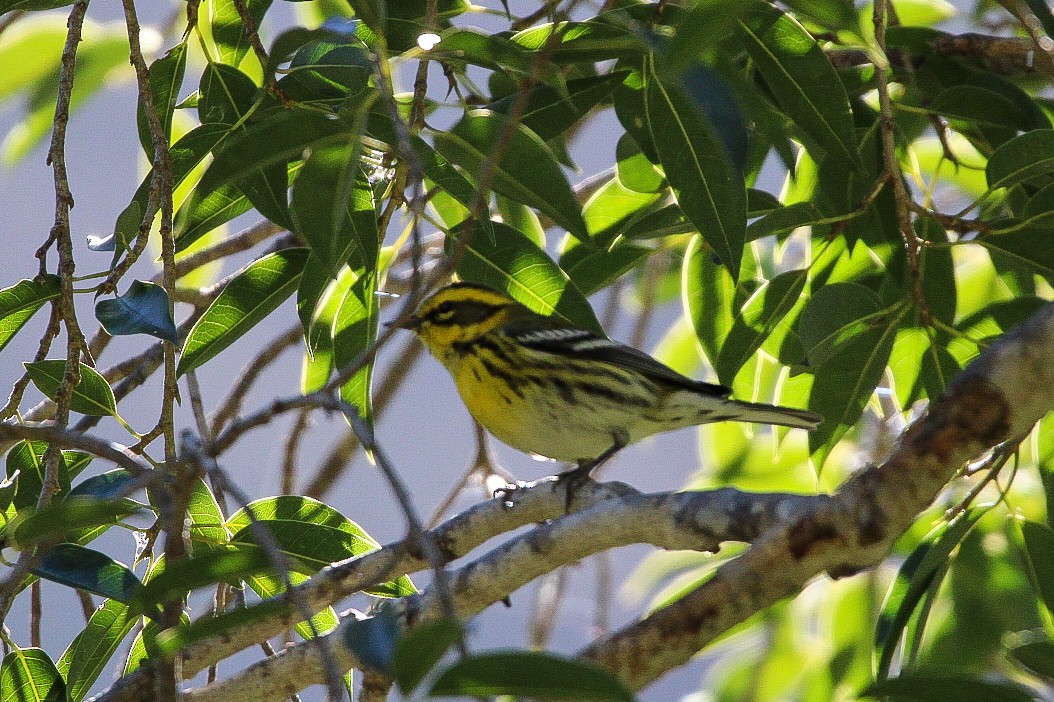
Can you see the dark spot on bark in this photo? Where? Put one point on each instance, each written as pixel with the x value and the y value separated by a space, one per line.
pixel 972 410
pixel 809 534
pixel 843 571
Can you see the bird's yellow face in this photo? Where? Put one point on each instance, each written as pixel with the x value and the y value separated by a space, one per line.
pixel 454 317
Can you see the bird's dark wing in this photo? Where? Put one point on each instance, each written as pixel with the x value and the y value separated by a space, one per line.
pixel 587 345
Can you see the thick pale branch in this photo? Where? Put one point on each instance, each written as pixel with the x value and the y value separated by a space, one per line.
pixel 1000 396
pixel 690 520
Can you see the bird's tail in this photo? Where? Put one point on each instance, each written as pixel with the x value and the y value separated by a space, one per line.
pixel 758 413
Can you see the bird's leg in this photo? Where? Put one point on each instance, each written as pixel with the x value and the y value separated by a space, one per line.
pixel 576 477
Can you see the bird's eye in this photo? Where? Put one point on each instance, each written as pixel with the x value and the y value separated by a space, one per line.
pixel 445 309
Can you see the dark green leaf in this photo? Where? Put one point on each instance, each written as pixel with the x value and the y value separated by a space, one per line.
pixel 537 675
pixel 199 216
pixel 920 572
pixel 373 13
pixel 144 309
pixel 246 300
pixel 1021 159
pixel 374 638
pixel 226 93
pixel 166 76
pixel 85 569
pixel 217 563
pixel 514 263
pixel 228 30
pixel 1029 250
pixel 68 516
pixel 21 301
pixel 92 395
pixel 783 220
pixel 932 687
pixel 332 208
pixel 1039 545
pixel 32 6
pixel 592 269
pixel 847 337
pixel 1037 656
pixel 549 113
pixel 112 483
pixel 527 172
pixel 972 103
pixel 707 187
pixel 716 101
pixel 29 675
pixel 765 309
pixel 802 79
pixel 26 461
pixel 495 52
pixel 419 649
pixel 92 648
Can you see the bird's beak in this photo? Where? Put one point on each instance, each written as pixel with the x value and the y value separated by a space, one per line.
pixel 412 323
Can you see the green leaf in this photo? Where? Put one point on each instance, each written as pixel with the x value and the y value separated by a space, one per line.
pixel 920 573
pixel 199 216
pixel 264 147
pixel 21 301
pixel 847 337
pixel 549 113
pixel 218 563
pixel 784 220
pixel 1029 250
pixel 166 76
pixel 419 649
pixel 1037 656
pixel 206 519
pixel 765 309
pixel 706 89
pixel 68 516
pixel 592 270
pixel 92 648
pixel 333 210
pixel 436 167
pixel 85 569
pixel 973 103
pixel 144 309
pixel 495 52
pixel 514 263
pixel 228 30
pixel 921 686
pixel 354 329
pixel 1021 159
pixel 537 675
pixel 706 186
pixel 26 462
pixel 708 295
pixel 92 395
pixel 1039 544
pixel 226 95
pixel 29 675
pixel 635 172
pixel 291 512
pixel 802 79
pixel 527 171
pixel 582 41
pixel 246 300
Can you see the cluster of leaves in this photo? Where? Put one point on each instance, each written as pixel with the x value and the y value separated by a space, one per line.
pixel 815 296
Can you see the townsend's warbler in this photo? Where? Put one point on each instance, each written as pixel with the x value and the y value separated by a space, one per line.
pixel 545 387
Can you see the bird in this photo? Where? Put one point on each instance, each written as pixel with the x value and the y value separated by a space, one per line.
pixel 549 388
